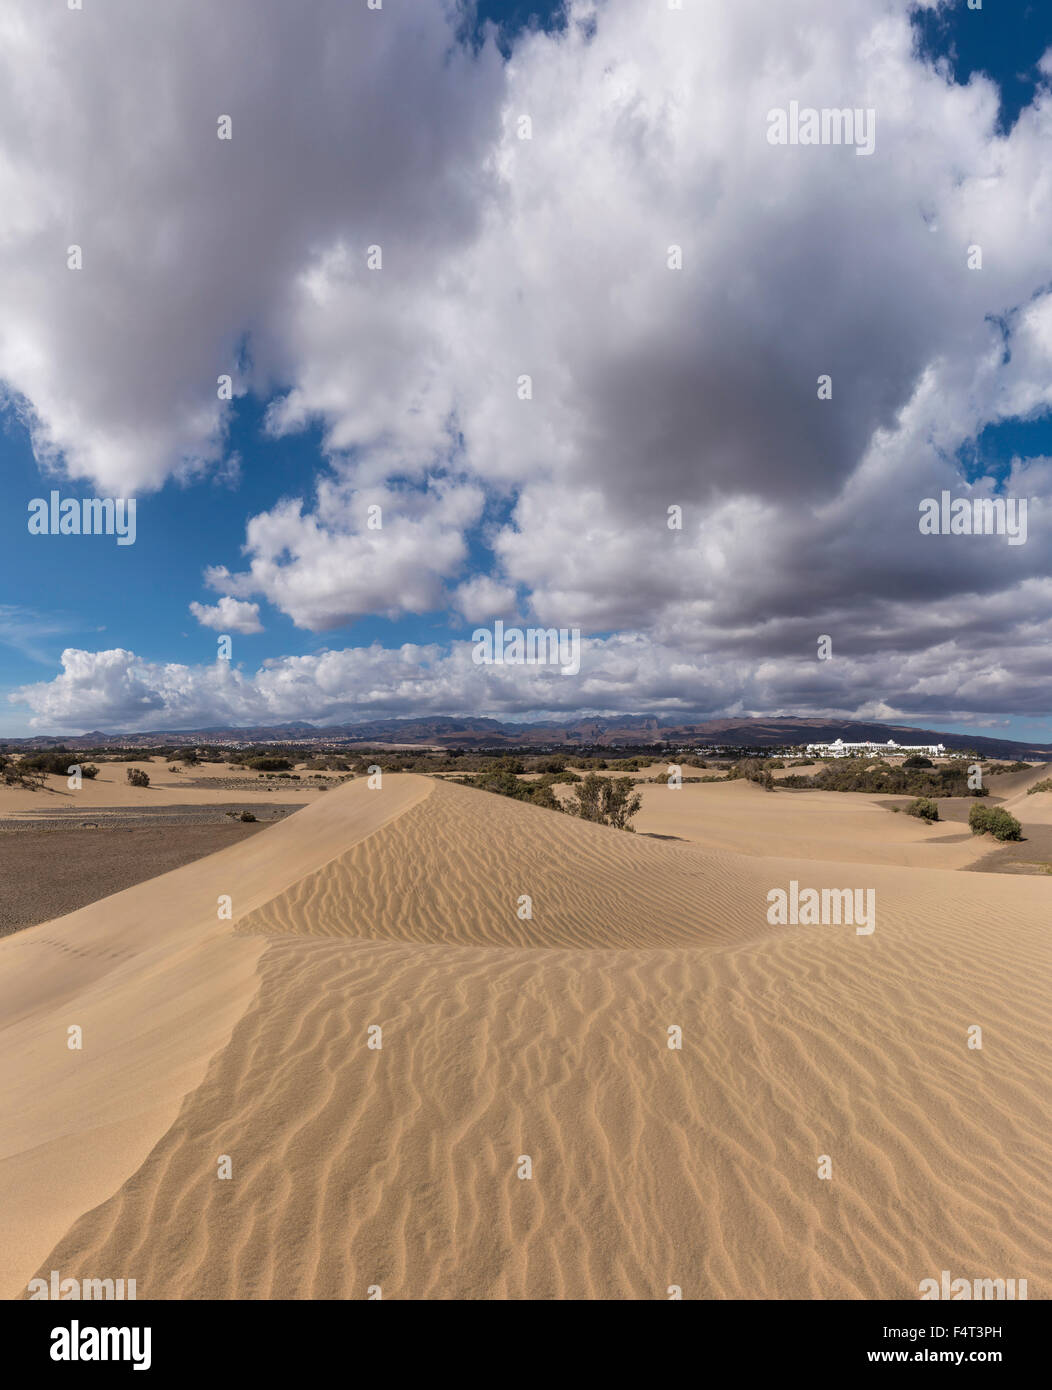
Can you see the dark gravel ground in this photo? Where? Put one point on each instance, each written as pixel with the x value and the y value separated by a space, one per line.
pixel 125 817
pixel 49 868
pixel 1031 855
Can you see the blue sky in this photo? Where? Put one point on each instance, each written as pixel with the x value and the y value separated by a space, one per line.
pixel 89 594
pixel 69 592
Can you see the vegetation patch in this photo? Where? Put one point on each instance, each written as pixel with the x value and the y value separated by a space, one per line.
pixel 995 821
pixel 854 775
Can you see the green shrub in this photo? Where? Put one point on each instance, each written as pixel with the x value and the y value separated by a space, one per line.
pixel 138 778
pixel 550 765
pixel 1000 823
pixel 58 761
pixel 1004 826
pixel 246 816
pixel 508 764
pixel 924 809
pixel 753 770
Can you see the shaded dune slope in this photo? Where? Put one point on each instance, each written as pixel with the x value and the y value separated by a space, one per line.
pixel 548 1037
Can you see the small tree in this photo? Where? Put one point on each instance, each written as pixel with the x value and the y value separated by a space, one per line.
pixel 606 801
pixel 619 803
pixel 138 778
pixel 585 803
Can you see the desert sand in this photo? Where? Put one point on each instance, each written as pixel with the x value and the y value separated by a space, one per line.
pixel 111 788
pixel 834 826
pixel 545 1036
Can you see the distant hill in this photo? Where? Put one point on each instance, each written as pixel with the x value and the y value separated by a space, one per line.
pixel 471 731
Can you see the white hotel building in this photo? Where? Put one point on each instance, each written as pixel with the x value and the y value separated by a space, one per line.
pixel 839 749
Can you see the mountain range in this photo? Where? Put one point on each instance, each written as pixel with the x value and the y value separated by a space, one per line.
pixel 473 732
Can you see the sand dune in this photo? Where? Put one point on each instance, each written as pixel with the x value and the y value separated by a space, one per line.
pixel 835 826
pixel 156 981
pixel 546 1036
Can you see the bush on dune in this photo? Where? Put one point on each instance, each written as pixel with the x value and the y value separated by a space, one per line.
pixel 753 770
pixel 605 801
pixel 506 783
pixel 1000 823
pixel 925 809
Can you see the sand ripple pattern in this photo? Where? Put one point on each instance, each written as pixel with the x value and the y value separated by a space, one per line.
pixel 454 867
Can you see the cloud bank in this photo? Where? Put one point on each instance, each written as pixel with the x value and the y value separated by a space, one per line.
pixel 525 388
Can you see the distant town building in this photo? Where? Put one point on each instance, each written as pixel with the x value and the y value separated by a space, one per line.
pixel 839 749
